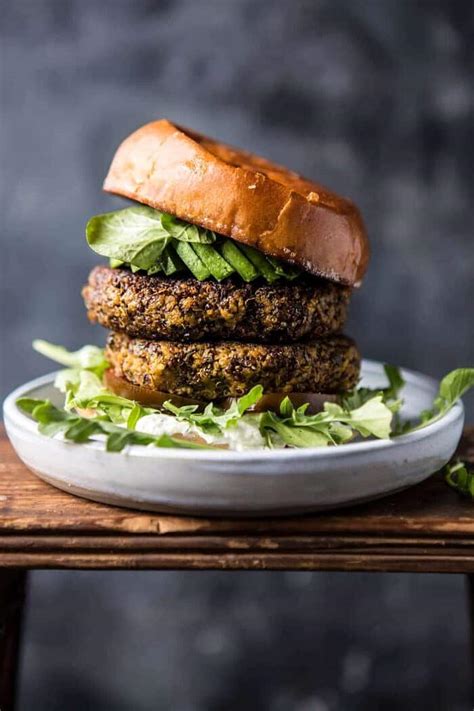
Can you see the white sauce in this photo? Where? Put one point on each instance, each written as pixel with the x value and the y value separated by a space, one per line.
pixel 160 424
pixel 243 435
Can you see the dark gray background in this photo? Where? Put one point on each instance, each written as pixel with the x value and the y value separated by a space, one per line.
pixel 373 98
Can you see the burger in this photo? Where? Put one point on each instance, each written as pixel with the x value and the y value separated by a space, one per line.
pixel 225 294
pixel 226 272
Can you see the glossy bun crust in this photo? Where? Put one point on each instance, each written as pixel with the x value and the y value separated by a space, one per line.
pixel 242 196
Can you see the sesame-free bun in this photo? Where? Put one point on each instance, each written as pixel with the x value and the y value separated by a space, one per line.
pixel 242 196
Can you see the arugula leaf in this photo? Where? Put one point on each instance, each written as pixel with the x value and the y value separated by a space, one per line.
pixel 213 420
pixel 118 410
pixel 238 407
pixel 452 387
pixel 395 382
pixel 390 393
pixel 460 478
pixel 286 407
pixel 455 384
pixel 373 418
pixel 248 400
pixel 27 404
pixel 52 420
pixel 80 387
pixel 291 434
pixel 83 380
pixel 135 414
pixel 334 425
pixel 88 357
pixel 81 430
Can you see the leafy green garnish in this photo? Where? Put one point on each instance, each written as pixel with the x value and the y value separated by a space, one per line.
pixel 82 380
pixel 451 389
pixel 214 419
pixel 293 426
pixel 84 391
pixel 89 357
pixel 335 425
pixel 78 385
pixel 460 478
pixel 52 420
pixel 390 394
pixel 134 235
pixel 149 240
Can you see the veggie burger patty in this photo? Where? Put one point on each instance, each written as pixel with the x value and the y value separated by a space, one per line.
pixel 210 371
pixel 158 307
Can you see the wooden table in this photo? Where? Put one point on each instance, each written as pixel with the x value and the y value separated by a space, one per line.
pixel 426 529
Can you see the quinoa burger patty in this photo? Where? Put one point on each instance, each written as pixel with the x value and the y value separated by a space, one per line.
pixel 185 309
pixel 210 371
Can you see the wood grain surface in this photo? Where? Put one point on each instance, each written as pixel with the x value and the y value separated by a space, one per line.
pixel 427 528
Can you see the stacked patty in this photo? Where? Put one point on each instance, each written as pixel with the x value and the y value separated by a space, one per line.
pixel 210 340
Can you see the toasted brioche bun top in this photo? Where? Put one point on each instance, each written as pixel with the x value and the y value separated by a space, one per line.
pixel 242 196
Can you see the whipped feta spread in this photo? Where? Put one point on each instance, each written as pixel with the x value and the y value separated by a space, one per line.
pixel 243 435
pixel 161 424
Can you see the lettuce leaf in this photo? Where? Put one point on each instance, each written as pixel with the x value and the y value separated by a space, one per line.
pixel 213 420
pixel 89 357
pixel 390 393
pixel 460 478
pixel 52 421
pixel 335 425
pixel 451 389
pixel 134 235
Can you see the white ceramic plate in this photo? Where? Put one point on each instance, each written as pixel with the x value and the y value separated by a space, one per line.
pixel 240 483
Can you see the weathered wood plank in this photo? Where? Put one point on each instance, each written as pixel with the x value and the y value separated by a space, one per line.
pixel 213 544
pixel 329 561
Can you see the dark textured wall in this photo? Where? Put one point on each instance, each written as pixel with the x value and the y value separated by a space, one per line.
pixel 372 97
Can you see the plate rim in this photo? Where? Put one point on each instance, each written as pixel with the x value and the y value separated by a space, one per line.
pixel 424 382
